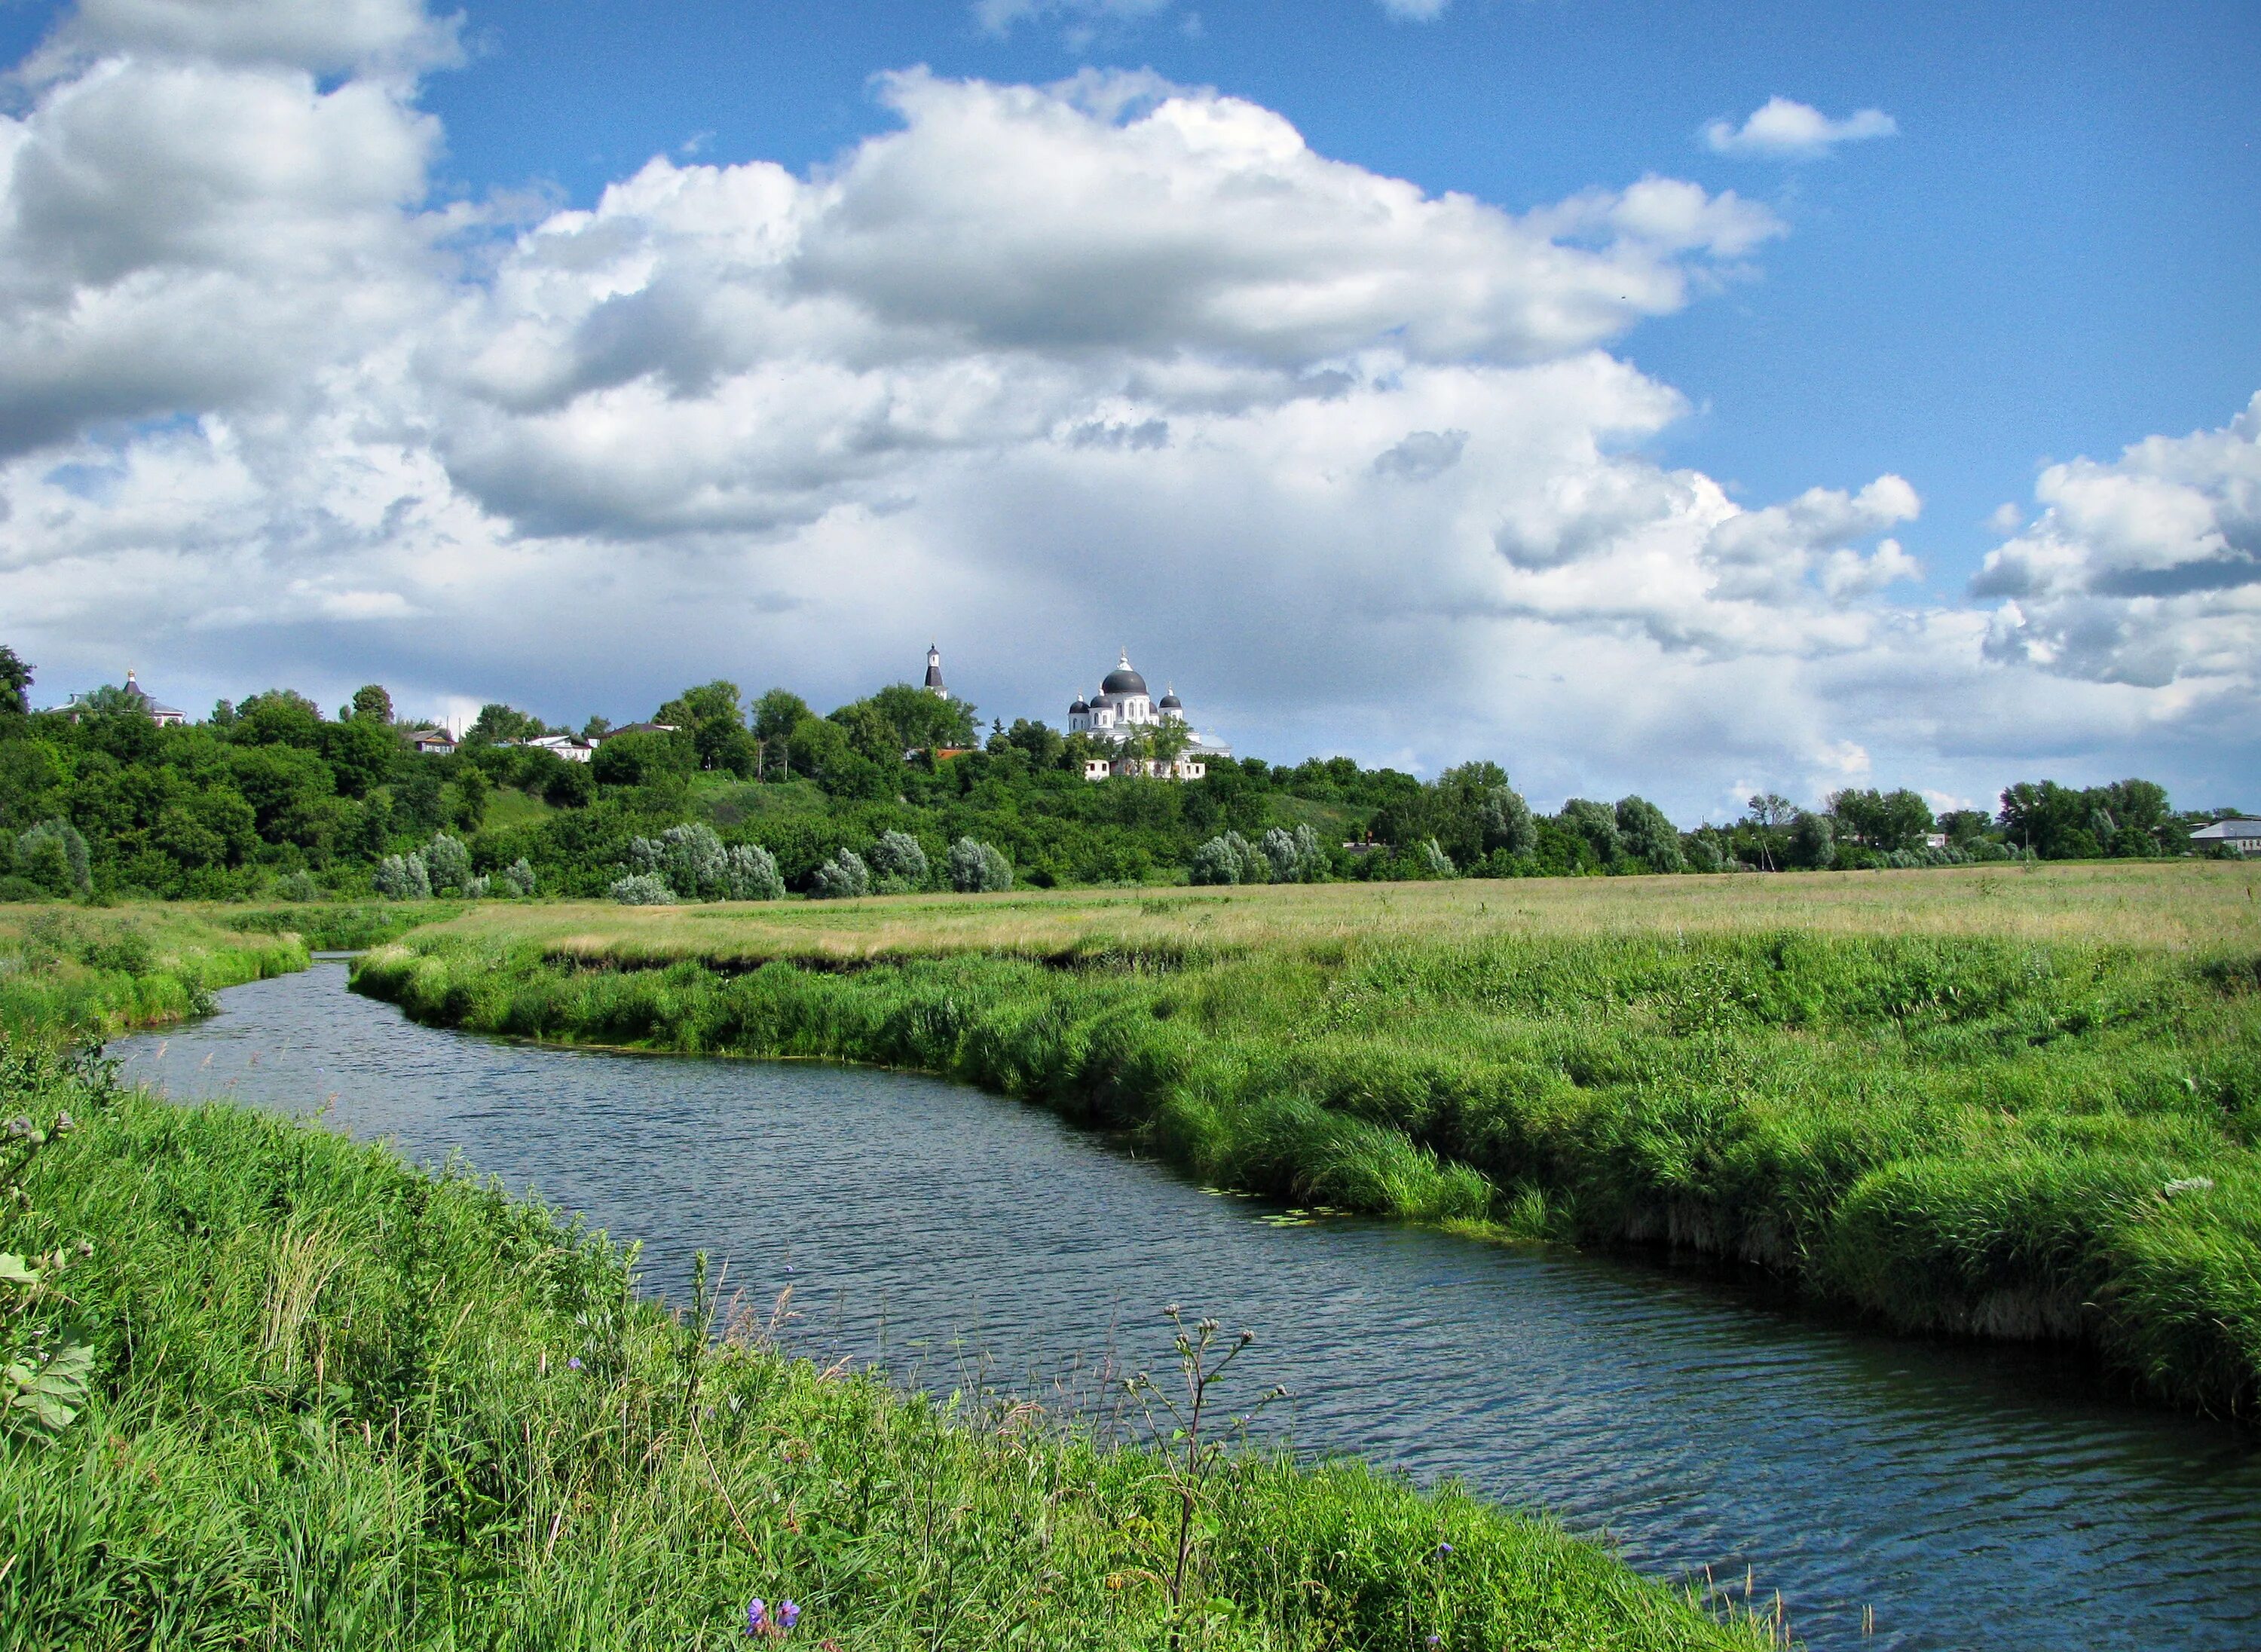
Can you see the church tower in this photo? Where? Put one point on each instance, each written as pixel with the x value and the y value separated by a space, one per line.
pixel 934 673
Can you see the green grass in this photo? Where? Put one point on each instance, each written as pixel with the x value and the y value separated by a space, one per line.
pixel 335 1405
pixel 507 807
pixel 95 971
pixel 729 802
pixel 1983 1134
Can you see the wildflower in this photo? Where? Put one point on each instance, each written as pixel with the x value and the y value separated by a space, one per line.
pixel 788 1614
pixel 757 1616
pixel 1444 1551
pixel 65 1124
pixel 574 1364
pixel 19 1125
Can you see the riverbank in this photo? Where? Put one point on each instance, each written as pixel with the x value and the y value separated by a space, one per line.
pixel 94 971
pixel 2016 1105
pixel 334 1401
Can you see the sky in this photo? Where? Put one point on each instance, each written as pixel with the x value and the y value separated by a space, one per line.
pixel 1686 400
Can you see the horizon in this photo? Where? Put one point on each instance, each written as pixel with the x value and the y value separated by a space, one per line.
pixel 1677 402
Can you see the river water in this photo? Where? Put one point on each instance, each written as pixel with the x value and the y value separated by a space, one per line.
pixel 1966 1497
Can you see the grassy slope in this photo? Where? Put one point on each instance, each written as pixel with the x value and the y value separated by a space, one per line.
pixel 2007 1104
pixel 334 1407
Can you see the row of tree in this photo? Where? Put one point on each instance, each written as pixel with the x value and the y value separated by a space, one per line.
pixel 721 794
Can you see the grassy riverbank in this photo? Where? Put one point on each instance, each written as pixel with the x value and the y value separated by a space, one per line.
pixel 337 1402
pixel 2019 1104
pixel 95 972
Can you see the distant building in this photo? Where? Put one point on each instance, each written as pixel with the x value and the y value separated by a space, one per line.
pixel 2239 833
pixel 430 741
pixel 934 685
pixel 571 747
pixel 163 715
pixel 1120 711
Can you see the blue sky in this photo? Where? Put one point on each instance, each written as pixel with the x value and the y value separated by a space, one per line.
pixel 2051 258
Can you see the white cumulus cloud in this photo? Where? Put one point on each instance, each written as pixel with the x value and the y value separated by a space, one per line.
pixel 1784 129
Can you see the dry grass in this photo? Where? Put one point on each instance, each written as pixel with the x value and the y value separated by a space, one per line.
pixel 2185 906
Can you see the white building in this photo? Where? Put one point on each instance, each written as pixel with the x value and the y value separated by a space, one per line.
pixel 2238 832
pixel 934 673
pixel 1122 710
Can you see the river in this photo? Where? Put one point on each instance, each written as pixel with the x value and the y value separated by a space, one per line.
pixel 1966 1497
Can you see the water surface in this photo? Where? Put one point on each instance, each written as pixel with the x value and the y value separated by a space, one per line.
pixel 1972 1497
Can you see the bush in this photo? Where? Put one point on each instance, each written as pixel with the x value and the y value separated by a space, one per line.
pixel 516 879
pixel 1295 857
pixel 54 855
pixel 298 885
pixel 977 868
pixel 842 878
pixel 750 873
pixel 900 862
pixel 1434 862
pixel 447 865
pixel 1230 858
pixel 641 889
pixel 1507 821
pixel 402 878
pixel 1813 842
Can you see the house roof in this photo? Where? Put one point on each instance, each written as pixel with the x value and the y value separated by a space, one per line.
pixel 2236 826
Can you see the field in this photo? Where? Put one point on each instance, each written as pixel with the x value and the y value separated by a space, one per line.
pixel 2015 1104
pixel 333 1402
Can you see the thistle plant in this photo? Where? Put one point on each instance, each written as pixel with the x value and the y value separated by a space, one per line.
pixel 1191 1445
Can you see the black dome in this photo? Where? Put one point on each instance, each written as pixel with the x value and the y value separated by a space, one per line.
pixel 1122 680
pixel 1078 709
pixel 1171 703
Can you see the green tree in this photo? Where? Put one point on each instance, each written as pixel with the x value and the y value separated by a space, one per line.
pixel 15 682
pixel 497 724
pixel 1887 822
pixel 281 716
pixel 370 704
pixel 361 752
pixel 1644 831
pixel 1598 824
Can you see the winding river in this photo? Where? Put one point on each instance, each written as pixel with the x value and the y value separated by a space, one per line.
pixel 1952 1497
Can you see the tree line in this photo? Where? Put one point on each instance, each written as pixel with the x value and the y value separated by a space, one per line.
pixel 723 795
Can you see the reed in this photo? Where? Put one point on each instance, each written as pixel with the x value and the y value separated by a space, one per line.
pixel 2037 1130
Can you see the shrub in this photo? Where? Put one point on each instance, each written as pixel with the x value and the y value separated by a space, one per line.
pixel 402 878
pixel 54 855
pixel 641 889
pixel 1644 831
pixel 842 878
pixel 1435 863
pixel 447 865
pixel 692 861
pixel 750 873
pixel 900 862
pixel 977 868
pixel 1295 857
pixel 298 885
pixel 517 878
pixel 1230 858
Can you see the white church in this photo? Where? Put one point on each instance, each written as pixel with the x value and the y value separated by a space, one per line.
pixel 1120 711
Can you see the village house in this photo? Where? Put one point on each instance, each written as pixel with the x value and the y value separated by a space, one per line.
pixel 2239 833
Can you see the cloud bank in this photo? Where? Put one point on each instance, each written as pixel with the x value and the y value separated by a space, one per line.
pixel 1034 372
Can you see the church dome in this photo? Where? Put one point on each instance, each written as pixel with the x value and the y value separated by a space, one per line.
pixel 1079 708
pixel 1122 679
pixel 1170 701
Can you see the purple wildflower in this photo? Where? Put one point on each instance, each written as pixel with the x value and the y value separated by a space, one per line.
pixel 757 1616
pixel 788 1614
pixel 1444 1551
pixel 573 1364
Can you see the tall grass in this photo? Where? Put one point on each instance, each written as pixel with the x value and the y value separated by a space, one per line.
pixel 342 1403
pixel 93 973
pixel 1979 1134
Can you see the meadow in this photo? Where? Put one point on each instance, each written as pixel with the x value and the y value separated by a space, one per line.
pixel 332 1401
pixel 2007 1103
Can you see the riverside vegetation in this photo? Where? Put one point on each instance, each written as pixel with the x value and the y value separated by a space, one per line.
pixel 309 1396
pixel 2018 1102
